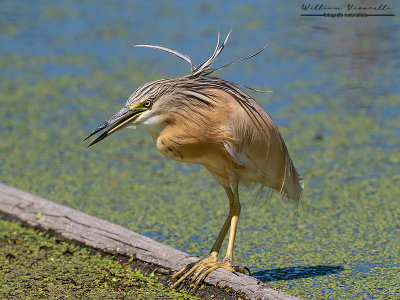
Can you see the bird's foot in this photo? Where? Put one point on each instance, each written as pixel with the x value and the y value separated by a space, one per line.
pixel 198 271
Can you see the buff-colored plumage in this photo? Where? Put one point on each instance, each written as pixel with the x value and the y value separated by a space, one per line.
pixel 209 121
pixel 230 138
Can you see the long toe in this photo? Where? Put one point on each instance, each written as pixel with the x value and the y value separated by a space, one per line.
pixel 198 272
pixel 190 269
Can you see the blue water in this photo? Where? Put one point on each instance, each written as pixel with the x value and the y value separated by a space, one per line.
pixel 317 52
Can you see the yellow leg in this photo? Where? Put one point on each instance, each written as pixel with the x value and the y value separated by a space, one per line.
pixel 202 268
pixel 227 261
pixel 221 236
pixel 235 208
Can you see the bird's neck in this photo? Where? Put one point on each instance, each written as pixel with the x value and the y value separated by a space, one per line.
pixel 153 125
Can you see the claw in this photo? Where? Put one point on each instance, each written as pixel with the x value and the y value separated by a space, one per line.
pixel 242 270
pixel 248 270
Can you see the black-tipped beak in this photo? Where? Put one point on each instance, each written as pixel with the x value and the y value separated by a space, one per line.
pixel 118 121
pixel 99 138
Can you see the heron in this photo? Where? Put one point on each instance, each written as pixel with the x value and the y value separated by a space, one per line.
pixel 206 120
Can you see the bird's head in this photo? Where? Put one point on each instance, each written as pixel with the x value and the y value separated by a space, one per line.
pixel 147 107
pixel 152 106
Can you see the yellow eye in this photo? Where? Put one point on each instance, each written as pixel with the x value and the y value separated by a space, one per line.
pixel 147 103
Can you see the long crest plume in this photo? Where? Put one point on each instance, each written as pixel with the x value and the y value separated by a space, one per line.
pixel 171 51
pixel 204 68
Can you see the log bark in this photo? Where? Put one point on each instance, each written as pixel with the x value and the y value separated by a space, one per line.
pixel 100 234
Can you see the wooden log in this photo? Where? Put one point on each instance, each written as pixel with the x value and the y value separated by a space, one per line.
pixel 100 234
